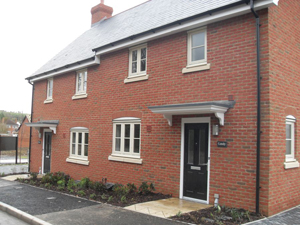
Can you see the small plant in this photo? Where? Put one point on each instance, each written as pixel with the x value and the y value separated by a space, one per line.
pixel 103 196
pixel 81 193
pixel 146 189
pixel 2 174
pixel 131 187
pixel 84 183
pixel 120 189
pixel 123 199
pixel 99 186
pixel 61 185
pixel 32 182
pixel 34 176
pixel 93 196
pixel 48 185
pixel 110 198
pixel 71 185
pixel 70 190
pixel 179 214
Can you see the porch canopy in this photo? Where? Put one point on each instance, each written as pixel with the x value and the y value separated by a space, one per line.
pixel 50 124
pixel 219 108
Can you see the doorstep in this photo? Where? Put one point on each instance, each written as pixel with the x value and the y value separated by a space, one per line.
pixel 167 207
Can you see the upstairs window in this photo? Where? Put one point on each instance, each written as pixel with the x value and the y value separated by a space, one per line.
pixel 50 88
pixel 127 137
pixel 197 47
pixel 81 82
pixel 290 138
pixel 79 143
pixel 138 61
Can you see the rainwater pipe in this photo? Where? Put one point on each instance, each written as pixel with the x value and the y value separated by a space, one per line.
pixel 29 155
pixel 258 105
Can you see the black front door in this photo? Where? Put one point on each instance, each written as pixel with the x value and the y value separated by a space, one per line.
pixel 195 160
pixel 47 151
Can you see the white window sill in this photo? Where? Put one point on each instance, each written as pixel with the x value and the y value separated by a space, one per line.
pixel 47 101
pixel 190 69
pixel 136 78
pixel 125 159
pixel 79 96
pixel 78 161
pixel 290 165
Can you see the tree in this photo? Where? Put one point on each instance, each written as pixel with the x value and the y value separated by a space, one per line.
pixel 3 128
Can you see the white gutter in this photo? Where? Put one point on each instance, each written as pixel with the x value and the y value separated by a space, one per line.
pixel 96 61
pixel 203 21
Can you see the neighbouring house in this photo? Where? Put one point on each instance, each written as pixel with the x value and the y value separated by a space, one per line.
pixel 198 97
pixel 11 126
pixel 24 135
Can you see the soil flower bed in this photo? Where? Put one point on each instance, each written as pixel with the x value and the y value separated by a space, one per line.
pixel 114 194
pixel 218 216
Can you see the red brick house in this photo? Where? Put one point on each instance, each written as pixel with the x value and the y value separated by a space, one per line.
pixel 200 98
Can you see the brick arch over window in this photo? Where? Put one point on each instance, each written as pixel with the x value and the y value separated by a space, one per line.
pixel 121 114
pixel 290 111
pixel 80 124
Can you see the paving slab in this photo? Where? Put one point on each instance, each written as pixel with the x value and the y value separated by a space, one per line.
pixel 13 168
pixel 7 219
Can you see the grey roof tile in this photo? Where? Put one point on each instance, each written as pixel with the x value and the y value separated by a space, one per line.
pixel 142 18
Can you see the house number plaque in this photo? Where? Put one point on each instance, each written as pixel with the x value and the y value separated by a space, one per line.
pixel 222 144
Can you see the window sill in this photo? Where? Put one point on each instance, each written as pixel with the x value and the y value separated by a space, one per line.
pixel 137 78
pixel 47 101
pixel 290 165
pixel 78 161
pixel 125 159
pixel 190 69
pixel 79 96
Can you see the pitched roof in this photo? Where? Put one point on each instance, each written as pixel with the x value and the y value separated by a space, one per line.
pixel 147 16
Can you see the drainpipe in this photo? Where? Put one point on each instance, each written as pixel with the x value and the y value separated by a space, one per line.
pixel 29 155
pixel 258 105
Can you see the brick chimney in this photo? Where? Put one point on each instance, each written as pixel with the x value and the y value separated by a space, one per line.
pixel 100 11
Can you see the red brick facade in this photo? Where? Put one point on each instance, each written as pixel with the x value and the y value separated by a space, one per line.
pixel 232 55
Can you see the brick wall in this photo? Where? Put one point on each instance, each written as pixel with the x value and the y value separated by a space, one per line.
pixel 232 55
pixel 284 97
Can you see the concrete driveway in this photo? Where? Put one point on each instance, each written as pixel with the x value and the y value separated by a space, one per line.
pixel 57 208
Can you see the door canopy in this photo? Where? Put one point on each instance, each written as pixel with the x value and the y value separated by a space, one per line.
pixel 219 108
pixel 49 124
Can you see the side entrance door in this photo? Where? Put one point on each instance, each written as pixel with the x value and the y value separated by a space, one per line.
pixel 195 160
pixel 47 151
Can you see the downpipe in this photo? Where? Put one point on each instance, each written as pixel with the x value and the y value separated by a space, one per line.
pixel 258 105
pixel 31 117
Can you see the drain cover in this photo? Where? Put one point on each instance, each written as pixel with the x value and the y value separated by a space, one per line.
pixel 18 188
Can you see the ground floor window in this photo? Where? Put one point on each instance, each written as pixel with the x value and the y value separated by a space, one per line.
pixel 127 136
pixel 79 142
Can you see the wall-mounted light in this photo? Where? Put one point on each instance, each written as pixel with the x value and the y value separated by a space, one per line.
pixel 215 129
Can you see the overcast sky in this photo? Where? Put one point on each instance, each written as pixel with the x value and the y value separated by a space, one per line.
pixel 31 33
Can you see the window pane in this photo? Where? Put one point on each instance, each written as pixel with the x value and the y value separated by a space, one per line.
pixel 86 150
pixel 197 54
pixel 127 130
pixel 79 81
pixel 79 149
pixel 134 67
pixel 73 149
pixel 118 144
pixel 143 65
pixel 74 138
pixel 134 55
pixel 86 139
pixel 79 138
pixel 136 148
pixel 288 129
pixel 136 130
pixel 191 143
pixel 143 53
pixel 202 148
pixel 198 39
pixel 118 131
pixel 126 145
pixel 288 147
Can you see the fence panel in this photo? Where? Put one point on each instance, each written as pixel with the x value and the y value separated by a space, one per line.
pixel 9 144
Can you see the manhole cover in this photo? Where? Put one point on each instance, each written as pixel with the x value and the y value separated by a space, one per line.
pixel 18 188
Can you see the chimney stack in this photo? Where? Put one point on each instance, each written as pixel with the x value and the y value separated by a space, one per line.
pixel 100 11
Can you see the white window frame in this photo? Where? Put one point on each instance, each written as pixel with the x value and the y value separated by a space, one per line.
pixel 78 130
pixel 50 88
pixel 82 90
pixel 191 63
pixel 122 121
pixel 139 72
pixel 290 120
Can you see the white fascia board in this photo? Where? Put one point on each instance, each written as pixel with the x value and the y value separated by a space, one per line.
pixel 189 110
pixel 70 69
pixel 192 24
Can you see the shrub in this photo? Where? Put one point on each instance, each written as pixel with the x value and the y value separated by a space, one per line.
pixel 48 185
pixel 92 196
pixel 99 186
pixel 131 187
pixel 84 183
pixel 46 178
pixel 71 185
pixel 123 199
pixel 120 189
pixel 61 184
pixel 34 176
pixel 110 198
pixel 146 189
pixel 103 196
pixel 81 193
